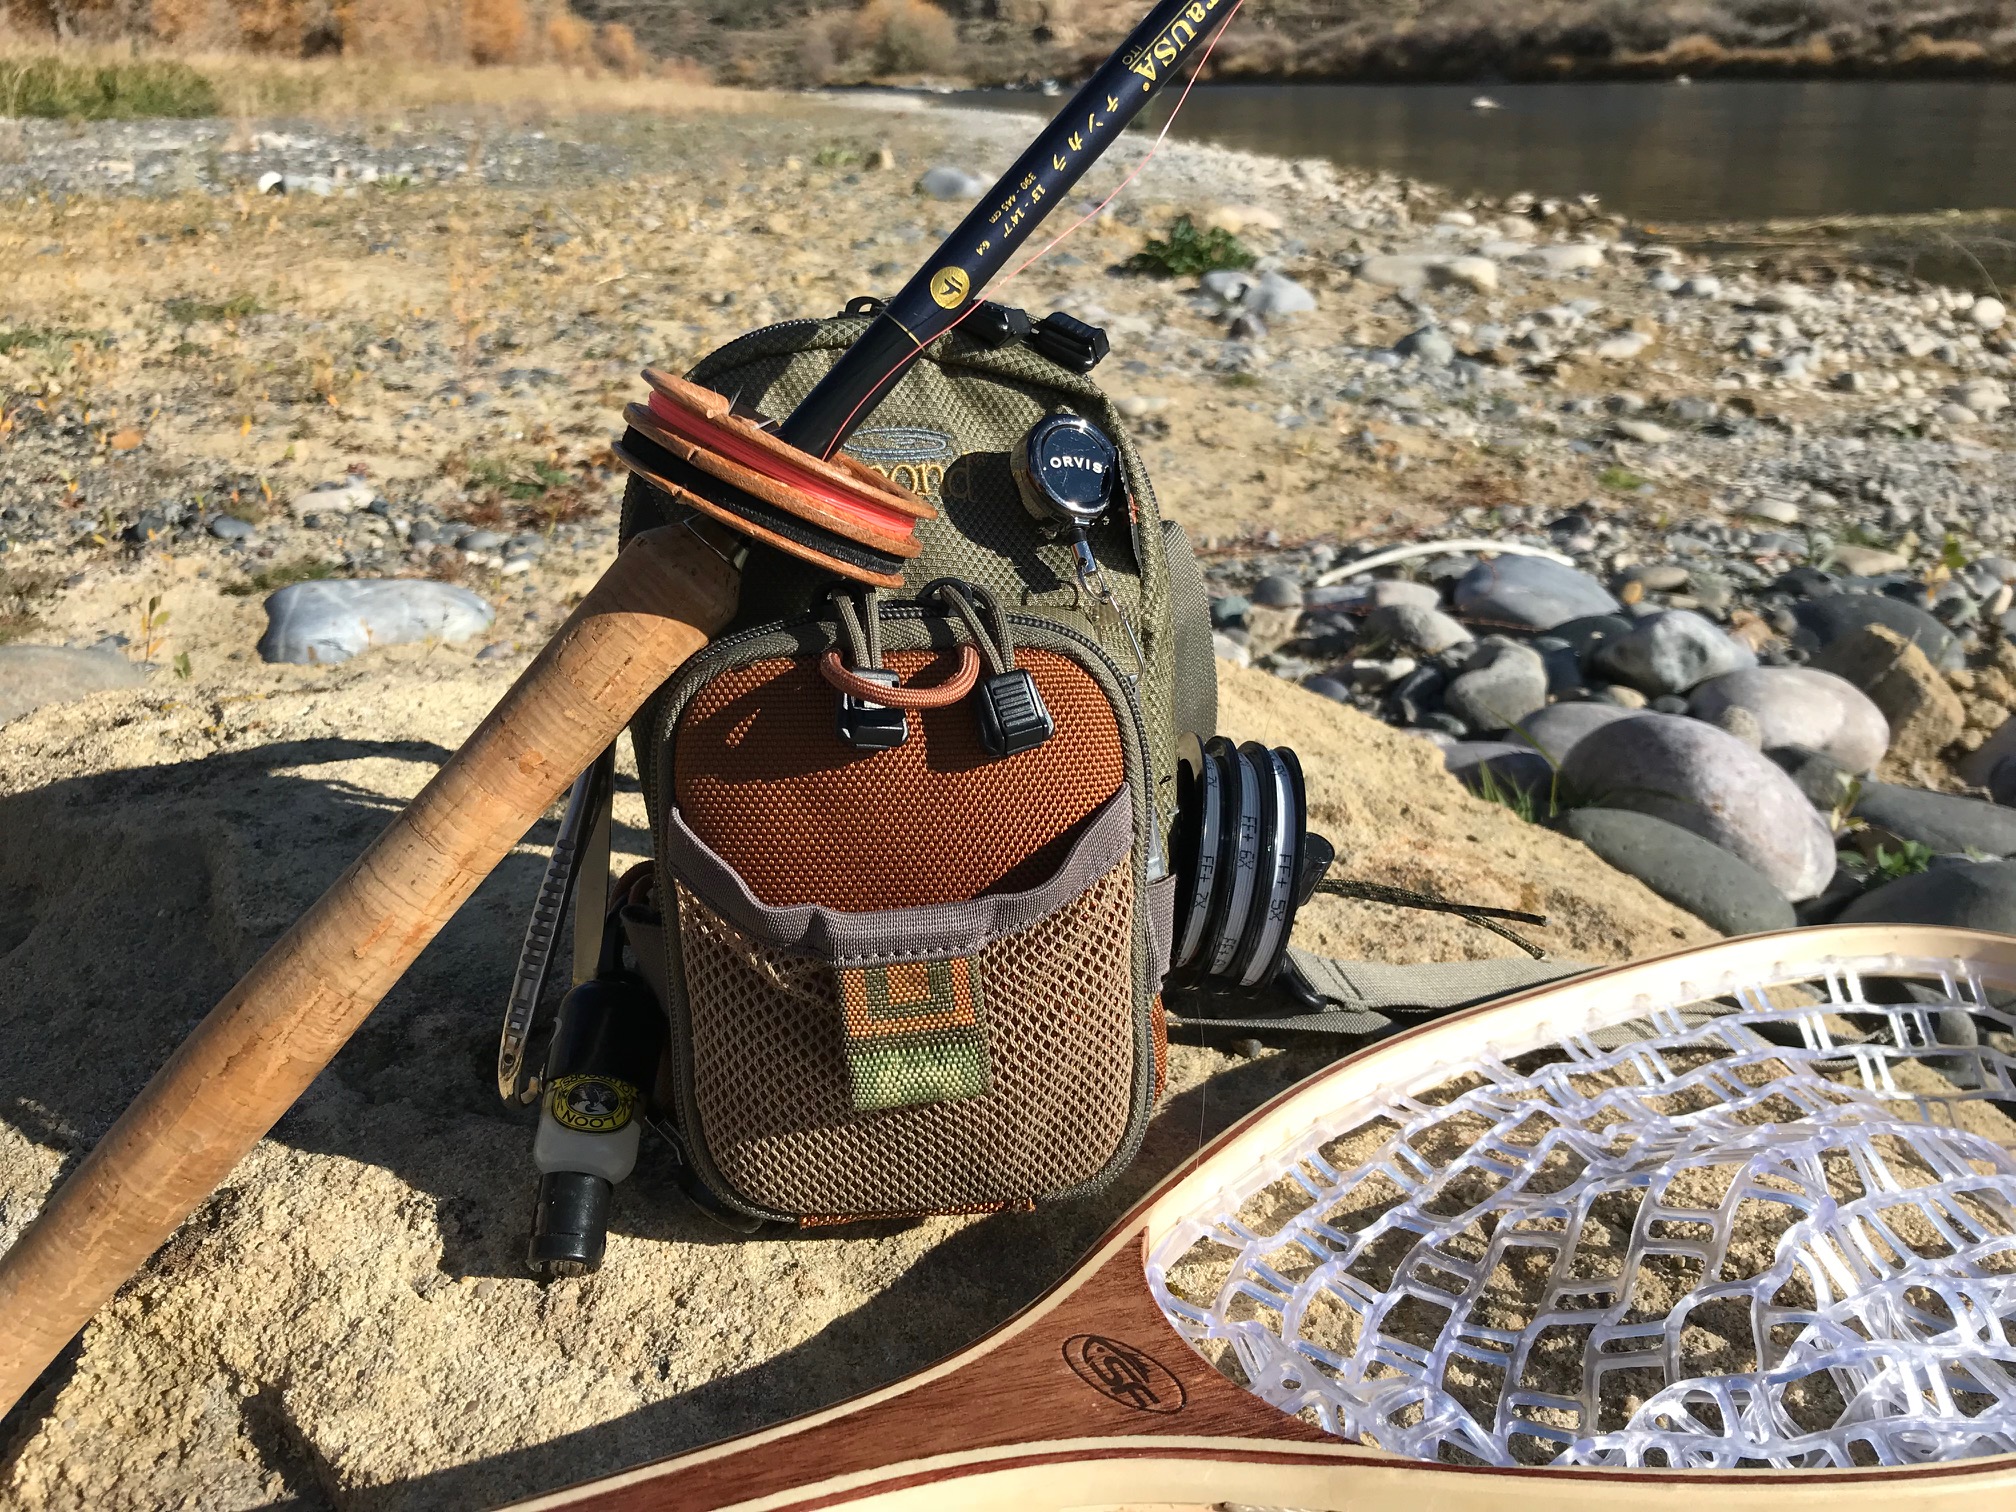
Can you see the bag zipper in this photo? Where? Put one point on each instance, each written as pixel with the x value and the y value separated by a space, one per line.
pixel 1130 693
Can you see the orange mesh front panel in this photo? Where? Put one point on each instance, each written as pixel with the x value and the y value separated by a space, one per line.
pixel 764 778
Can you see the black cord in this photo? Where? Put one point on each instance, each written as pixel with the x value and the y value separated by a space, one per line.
pixel 1474 913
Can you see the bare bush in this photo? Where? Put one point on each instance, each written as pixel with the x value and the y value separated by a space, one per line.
pixel 570 41
pixel 850 41
pixel 816 57
pixel 616 45
pixel 905 37
pixel 403 29
pixel 496 30
pixel 198 25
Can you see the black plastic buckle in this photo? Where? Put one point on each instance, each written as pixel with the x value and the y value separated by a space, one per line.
pixel 871 726
pixel 1013 716
pixel 1070 342
pixel 996 324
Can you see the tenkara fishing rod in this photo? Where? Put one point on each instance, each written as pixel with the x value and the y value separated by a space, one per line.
pixel 943 290
pixel 693 446
pixel 669 592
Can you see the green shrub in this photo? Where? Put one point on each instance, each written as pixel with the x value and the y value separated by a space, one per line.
pixel 282 575
pixel 188 310
pixel 26 338
pixel 1908 860
pixel 1189 252
pixel 112 92
pixel 522 479
pixel 1507 794
pixel 1534 805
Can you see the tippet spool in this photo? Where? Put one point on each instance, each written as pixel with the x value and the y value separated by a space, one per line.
pixel 1245 860
pixel 1200 813
pixel 690 442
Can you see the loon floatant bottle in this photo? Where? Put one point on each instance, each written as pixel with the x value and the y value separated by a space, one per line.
pixel 605 1051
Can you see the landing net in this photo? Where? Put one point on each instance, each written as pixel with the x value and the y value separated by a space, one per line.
pixel 1773 1230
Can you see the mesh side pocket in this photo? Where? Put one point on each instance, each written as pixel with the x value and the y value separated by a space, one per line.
pixel 773 1093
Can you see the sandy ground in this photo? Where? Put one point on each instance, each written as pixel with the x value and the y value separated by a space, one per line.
pixel 347 1323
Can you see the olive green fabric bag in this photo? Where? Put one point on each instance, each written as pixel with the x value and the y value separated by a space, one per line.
pixel 922 979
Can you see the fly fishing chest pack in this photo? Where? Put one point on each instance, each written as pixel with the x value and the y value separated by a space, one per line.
pixel 904 944
pixel 942 815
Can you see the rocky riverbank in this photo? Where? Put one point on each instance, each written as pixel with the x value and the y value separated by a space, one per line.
pixel 1019 41
pixel 402 359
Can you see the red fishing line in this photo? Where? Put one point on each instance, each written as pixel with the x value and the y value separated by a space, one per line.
pixel 727 441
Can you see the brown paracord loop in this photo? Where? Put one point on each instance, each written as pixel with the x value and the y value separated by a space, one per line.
pixel 941 697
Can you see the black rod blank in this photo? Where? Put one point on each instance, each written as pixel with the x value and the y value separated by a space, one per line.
pixel 945 287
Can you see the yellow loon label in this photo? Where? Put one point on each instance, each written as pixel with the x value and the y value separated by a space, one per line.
pixel 592 1104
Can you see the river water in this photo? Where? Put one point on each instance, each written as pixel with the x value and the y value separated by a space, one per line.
pixel 1713 151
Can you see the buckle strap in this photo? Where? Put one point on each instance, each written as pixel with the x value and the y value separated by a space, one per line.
pixel 864 640
pixel 994 637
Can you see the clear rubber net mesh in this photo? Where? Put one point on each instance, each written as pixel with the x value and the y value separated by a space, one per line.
pixel 1773 1230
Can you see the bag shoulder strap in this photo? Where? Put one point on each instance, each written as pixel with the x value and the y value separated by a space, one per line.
pixel 1353 999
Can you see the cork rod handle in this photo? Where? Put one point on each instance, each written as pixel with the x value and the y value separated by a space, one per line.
pixel 257 1051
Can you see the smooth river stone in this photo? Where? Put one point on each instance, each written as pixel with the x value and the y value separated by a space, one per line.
pixel 1684 869
pixel 1502 683
pixel 1417 628
pixel 1946 823
pixel 1961 897
pixel 1672 652
pixel 324 623
pixel 1796 706
pixel 1836 616
pixel 32 676
pixel 1559 728
pixel 1705 780
pixel 1530 593
pixel 1513 767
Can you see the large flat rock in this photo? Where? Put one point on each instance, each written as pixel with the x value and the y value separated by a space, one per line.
pixel 348 1323
pixel 32 677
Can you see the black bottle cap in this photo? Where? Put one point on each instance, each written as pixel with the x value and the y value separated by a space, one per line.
pixel 570 1227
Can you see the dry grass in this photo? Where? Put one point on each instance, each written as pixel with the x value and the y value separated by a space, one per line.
pixel 352 89
pixel 340 87
pixel 99 59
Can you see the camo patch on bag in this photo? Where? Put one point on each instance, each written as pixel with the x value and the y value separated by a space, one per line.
pixel 914 1033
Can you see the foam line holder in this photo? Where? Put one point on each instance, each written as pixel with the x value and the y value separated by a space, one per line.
pixel 689 442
